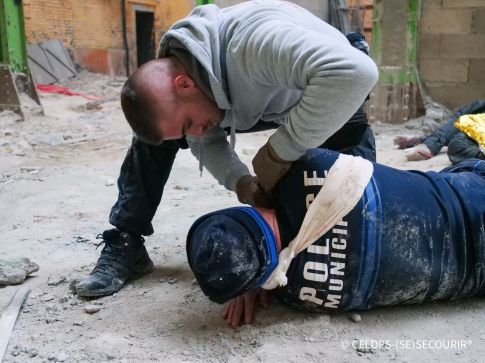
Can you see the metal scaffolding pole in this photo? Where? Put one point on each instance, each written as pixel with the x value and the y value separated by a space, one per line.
pixel 14 70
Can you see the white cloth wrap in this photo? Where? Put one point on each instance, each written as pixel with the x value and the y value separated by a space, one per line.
pixel 342 189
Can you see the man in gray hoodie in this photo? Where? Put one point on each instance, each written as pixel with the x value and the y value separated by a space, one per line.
pixel 261 63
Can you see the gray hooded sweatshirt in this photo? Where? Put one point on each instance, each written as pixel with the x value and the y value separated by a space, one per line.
pixel 272 61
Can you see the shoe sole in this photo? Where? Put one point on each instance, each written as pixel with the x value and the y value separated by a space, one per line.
pixel 116 285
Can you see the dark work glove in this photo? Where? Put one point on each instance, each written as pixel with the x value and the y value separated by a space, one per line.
pixel 269 167
pixel 249 191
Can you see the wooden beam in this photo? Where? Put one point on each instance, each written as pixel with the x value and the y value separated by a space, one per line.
pixel 9 317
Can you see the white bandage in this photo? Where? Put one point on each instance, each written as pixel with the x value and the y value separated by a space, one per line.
pixel 343 187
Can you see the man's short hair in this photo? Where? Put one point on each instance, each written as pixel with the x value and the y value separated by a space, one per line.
pixel 139 113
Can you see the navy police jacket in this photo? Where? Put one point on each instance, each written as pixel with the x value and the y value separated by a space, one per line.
pixel 413 237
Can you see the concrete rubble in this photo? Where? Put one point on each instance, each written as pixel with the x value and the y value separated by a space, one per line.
pixel 15 271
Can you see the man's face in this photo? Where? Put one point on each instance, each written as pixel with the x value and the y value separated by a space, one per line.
pixel 188 112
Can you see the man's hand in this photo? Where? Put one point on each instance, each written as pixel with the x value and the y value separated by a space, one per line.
pixel 407 141
pixel 269 167
pixel 240 310
pixel 418 152
pixel 249 191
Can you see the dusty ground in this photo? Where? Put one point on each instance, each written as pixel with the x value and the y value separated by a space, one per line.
pixel 57 185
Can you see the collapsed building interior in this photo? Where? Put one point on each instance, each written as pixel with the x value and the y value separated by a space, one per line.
pixel 63 137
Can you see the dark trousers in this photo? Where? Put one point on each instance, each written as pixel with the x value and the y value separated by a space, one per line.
pixel 146 169
pixel 462 147
pixel 447 131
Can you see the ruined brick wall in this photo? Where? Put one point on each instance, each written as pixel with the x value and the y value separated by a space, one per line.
pixel 87 23
pixel 452 50
pixel 91 29
pixel 169 11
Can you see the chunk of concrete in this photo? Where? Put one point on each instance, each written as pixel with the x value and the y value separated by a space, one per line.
pixel 15 271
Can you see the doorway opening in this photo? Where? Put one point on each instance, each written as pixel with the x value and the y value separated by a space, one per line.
pixel 145 37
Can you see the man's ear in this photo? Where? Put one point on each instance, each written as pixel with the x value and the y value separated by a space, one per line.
pixel 184 84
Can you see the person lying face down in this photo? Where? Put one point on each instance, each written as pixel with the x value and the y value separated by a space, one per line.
pixel 412 237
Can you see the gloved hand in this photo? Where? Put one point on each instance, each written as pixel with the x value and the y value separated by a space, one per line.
pixel 249 191
pixel 269 167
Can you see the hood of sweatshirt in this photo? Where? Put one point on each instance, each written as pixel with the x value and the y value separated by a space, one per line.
pixel 198 33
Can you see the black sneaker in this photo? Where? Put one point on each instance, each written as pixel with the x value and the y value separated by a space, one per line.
pixel 123 257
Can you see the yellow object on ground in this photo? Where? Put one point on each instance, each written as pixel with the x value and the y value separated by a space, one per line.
pixel 473 126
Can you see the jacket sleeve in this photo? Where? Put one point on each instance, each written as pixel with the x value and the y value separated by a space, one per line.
pixel 215 153
pixel 335 78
